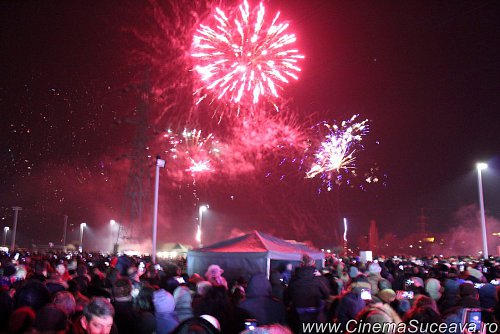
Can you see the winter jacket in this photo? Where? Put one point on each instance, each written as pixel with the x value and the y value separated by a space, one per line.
pixel 260 304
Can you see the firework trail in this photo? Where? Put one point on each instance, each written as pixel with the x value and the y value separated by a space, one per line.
pixel 241 59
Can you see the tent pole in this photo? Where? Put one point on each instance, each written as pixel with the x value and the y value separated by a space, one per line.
pixel 268 266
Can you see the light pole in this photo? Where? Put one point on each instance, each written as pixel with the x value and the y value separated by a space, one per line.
pixel 82 226
pixel 64 232
pixel 112 223
pixel 481 166
pixel 5 231
pixel 13 242
pixel 202 209
pixel 345 236
pixel 159 164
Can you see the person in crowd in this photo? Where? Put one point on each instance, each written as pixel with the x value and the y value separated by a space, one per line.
pixel 488 296
pixel 80 299
pixel 216 303
pixel 308 292
pixel 199 325
pixel 270 329
pixel 21 320
pixel 172 278
pixel 145 323
pixel 374 276
pixel 33 294
pixel 97 318
pixel 125 314
pixel 62 271
pixel 451 289
pixel 237 292
pixel 202 288
pixel 433 288
pixel 164 306
pixel 55 283
pixel 82 279
pixel 151 276
pixel 424 316
pixel 214 276
pixel 277 286
pixel 260 304
pixel 183 300
pixel 469 298
pixel 50 320
pixel 286 274
pixel 8 277
pixel 65 301
pixel 380 313
pixel 350 303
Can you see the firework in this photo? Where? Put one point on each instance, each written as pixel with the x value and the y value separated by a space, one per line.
pixel 336 154
pixel 242 58
pixel 191 152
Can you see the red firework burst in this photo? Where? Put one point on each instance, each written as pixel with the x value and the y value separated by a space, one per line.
pixel 241 58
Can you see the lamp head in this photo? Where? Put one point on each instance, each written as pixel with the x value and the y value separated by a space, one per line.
pixel 112 222
pixel 83 225
pixel 481 165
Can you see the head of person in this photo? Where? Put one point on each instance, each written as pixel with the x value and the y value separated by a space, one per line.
pixel 50 319
pixel 65 301
pixel 98 316
pixel 199 325
pixel 60 269
pixel 308 261
pixel 122 289
pixel 41 268
pixel 203 287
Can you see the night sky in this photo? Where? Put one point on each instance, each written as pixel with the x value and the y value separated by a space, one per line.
pixel 426 75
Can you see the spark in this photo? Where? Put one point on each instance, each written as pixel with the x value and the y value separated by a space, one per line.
pixel 199 166
pixel 336 153
pixel 190 152
pixel 241 58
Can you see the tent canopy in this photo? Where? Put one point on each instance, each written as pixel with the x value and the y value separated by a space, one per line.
pixel 248 254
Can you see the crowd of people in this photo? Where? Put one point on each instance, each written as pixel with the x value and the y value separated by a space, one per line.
pixel 95 293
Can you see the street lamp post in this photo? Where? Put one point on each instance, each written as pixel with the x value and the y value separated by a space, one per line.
pixel 82 226
pixel 481 166
pixel 5 231
pixel 159 164
pixel 112 223
pixel 202 209
pixel 13 242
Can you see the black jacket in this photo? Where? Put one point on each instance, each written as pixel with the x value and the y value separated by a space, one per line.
pixel 307 289
pixel 260 304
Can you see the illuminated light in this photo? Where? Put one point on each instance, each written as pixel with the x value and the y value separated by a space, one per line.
pixel 132 253
pixel 240 58
pixel 481 166
pixel 345 229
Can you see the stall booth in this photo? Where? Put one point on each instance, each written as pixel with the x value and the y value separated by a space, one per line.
pixel 251 253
